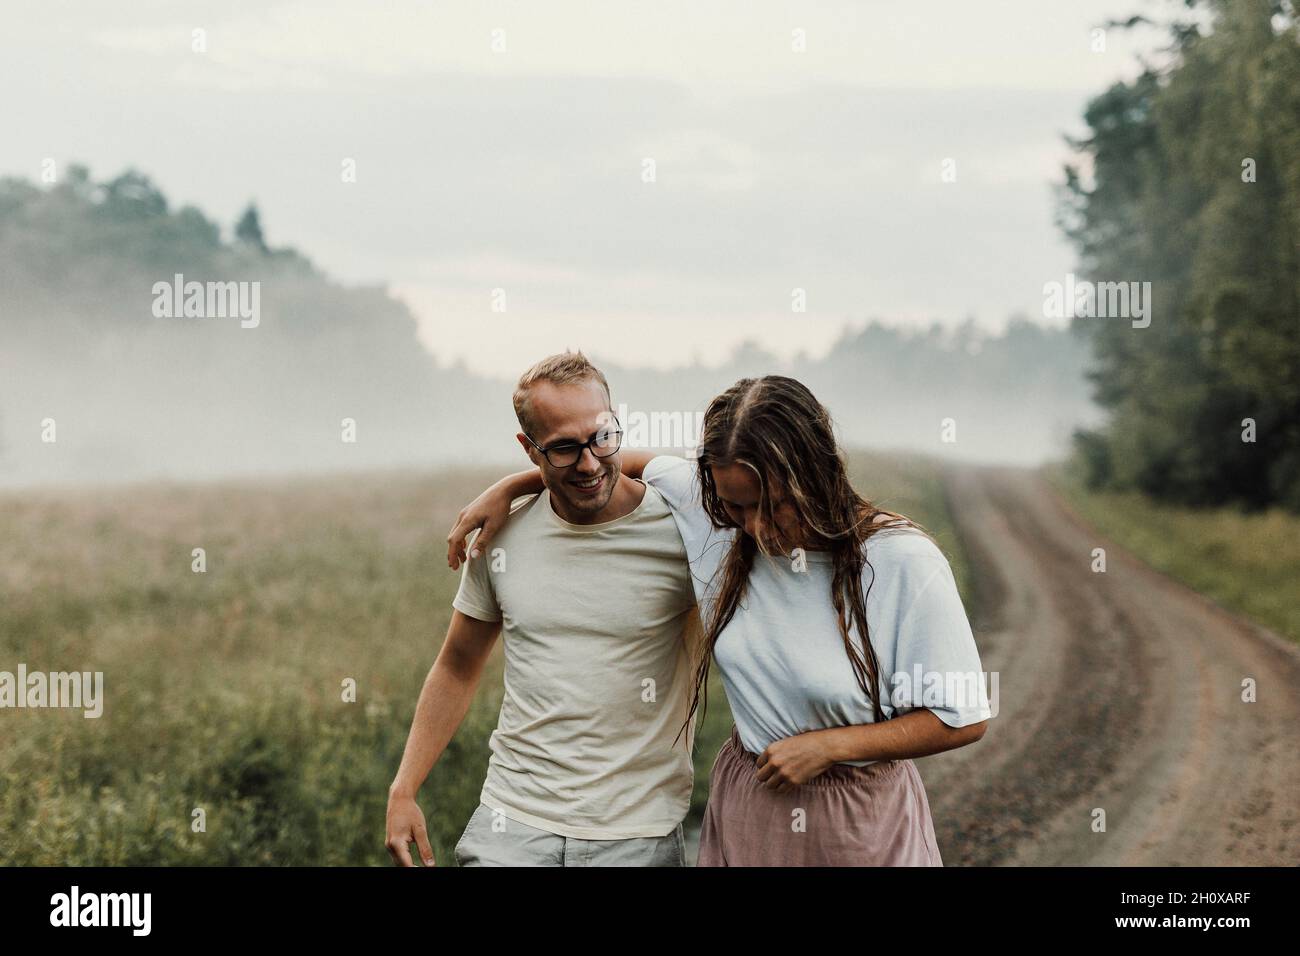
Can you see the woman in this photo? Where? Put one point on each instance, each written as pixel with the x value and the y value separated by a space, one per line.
pixel 838 632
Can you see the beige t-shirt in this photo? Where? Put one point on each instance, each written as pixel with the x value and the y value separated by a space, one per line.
pixel 597 674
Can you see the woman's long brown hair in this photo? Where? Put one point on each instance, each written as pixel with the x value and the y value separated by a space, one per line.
pixel 776 427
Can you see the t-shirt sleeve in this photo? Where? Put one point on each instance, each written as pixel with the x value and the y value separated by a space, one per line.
pixel 677 482
pixel 674 478
pixel 476 596
pixel 936 663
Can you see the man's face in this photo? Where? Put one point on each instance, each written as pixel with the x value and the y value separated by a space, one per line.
pixel 573 413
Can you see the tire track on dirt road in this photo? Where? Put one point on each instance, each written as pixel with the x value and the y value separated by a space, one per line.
pixel 1118 690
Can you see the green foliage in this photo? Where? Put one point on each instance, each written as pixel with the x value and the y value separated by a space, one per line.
pixel 1167 204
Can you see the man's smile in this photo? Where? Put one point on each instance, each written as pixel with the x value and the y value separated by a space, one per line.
pixel 589 486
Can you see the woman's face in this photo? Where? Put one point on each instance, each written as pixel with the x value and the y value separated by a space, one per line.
pixel 739 490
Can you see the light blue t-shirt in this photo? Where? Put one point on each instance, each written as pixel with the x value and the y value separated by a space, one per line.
pixel 782 659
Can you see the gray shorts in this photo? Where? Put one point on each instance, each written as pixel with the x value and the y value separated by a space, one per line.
pixel 510 843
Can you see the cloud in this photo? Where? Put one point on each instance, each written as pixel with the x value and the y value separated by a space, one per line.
pixel 737 44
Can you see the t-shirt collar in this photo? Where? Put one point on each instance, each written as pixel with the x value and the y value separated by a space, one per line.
pixel 590 528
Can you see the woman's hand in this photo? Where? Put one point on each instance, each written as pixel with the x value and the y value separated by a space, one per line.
pixel 788 763
pixel 489 512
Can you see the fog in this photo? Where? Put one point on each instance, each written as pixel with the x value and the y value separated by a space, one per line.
pixel 124 360
pixel 449 192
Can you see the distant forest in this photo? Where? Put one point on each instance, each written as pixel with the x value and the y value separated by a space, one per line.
pixel 135 395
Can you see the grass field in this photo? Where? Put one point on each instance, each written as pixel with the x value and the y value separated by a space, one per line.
pixel 1248 563
pixel 224 689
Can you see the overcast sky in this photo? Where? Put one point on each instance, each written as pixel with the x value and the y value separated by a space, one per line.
pixel 521 168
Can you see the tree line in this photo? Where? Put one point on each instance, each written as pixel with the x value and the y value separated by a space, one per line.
pixel 1189 178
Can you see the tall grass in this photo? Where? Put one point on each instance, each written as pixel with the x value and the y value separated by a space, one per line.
pixel 224 689
pixel 912 485
pixel 1247 562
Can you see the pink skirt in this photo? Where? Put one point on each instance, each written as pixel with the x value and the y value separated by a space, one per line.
pixel 877 815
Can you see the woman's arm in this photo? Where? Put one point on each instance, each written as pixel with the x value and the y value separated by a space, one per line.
pixel 489 512
pixel 918 733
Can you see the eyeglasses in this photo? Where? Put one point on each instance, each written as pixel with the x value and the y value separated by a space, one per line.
pixel 565 454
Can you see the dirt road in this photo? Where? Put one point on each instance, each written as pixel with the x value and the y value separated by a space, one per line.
pixel 1120 691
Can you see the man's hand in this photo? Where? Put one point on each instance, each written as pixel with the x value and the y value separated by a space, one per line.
pixel 444 699
pixel 406 826
pixel 789 763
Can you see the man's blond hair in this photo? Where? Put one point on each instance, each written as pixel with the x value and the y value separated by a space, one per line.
pixel 565 368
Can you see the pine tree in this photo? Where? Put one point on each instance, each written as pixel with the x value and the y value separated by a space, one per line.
pixel 249 228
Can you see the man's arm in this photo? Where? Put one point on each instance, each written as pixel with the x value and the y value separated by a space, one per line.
pixel 632 461
pixel 448 690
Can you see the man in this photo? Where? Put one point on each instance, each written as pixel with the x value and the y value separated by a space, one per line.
pixel 590 583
